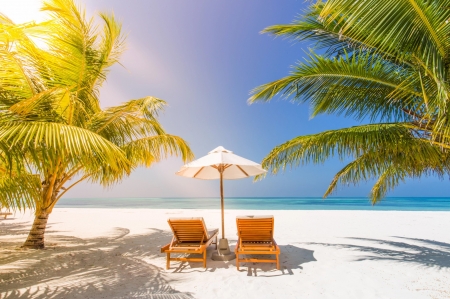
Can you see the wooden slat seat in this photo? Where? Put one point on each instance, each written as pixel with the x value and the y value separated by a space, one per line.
pixel 190 236
pixel 255 235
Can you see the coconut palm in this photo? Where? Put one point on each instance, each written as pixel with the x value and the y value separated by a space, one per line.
pixel 53 132
pixel 383 62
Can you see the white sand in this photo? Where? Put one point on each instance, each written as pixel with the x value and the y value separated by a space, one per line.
pixel 112 253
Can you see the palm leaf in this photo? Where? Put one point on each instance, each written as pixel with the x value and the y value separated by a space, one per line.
pixel 404 27
pixel 129 121
pixel 44 140
pixel 344 143
pixel 19 191
pixel 390 166
pixel 146 151
pixel 351 84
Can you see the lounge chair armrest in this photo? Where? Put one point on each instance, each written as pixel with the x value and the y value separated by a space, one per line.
pixel 212 233
pixel 165 247
pixel 211 238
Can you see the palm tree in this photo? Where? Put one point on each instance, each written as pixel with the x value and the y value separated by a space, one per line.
pixel 53 132
pixel 385 62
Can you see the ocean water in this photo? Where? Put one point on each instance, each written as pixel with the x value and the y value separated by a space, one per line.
pixel 264 203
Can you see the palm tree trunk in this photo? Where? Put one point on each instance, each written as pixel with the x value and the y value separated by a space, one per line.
pixel 35 238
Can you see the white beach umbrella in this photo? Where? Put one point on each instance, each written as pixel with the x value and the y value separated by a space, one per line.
pixel 221 163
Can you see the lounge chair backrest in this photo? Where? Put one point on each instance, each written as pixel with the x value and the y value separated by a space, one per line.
pixel 255 228
pixel 189 229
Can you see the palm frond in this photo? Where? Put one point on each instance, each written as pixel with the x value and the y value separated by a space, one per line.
pixel 129 121
pixel 19 191
pixel 20 60
pixel 390 166
pixel 329 37
pixel 146 151
pixel 45 141
pixel 343 143
pixel 387 181
pixel 405 27
pixel 110 48
pixel 353 85
pixel 72 59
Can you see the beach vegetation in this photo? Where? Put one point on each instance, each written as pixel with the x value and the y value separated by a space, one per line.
pixel 54 133
pixel 384 63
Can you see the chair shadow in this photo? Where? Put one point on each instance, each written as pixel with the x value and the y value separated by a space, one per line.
pixel 291 259
pixel 114 266
pixel 211 265
pixel 428 253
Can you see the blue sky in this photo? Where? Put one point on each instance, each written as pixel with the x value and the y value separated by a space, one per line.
pixel 203 57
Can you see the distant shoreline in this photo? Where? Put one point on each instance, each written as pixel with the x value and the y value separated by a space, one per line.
pixel 263 203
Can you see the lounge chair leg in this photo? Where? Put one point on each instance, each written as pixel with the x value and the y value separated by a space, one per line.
pixel 237 261
pixel 278 262
pixel 204 258
pixel 216 242
pixel 168 261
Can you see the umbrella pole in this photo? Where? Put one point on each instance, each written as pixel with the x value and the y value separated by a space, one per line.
pixel 221 203
pixel 223 252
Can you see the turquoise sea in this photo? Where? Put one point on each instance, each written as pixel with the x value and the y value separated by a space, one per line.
pixel 264 203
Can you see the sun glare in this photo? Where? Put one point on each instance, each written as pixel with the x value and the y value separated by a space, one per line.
pixel 22 11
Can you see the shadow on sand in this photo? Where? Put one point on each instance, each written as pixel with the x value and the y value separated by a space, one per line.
pixel 423 252
pixel 291 258
pixel 118 265
pixel 106 267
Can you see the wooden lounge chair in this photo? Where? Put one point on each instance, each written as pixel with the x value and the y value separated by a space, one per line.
pixel 5 214
pixel 255 235
pixel 189 236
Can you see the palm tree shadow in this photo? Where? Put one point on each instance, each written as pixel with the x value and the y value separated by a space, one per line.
pixel 422 252
pixel 114 266
pixel 19 230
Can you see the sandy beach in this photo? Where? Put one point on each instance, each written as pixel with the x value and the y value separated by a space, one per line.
pixel 113 253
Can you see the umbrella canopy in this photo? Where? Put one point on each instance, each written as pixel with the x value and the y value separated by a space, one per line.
pixel 207 167
pixel 221 163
